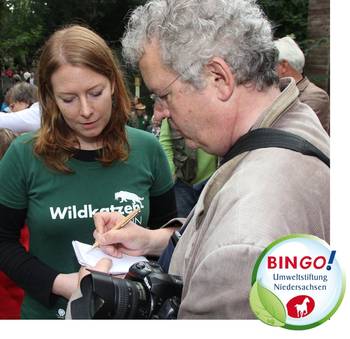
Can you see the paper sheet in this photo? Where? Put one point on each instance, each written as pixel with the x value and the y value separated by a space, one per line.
pixel 90 258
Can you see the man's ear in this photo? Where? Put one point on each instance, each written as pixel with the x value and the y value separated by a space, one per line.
pixel 221 77
pixel 282 68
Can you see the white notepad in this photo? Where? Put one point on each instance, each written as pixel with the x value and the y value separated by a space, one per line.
pixel 90 258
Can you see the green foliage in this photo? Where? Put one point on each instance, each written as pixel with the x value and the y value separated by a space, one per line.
pixel 20 32
pixel 26 24
pixel 289 17
pixel 107 17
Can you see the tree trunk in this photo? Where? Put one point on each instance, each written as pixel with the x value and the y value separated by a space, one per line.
pixel 317 66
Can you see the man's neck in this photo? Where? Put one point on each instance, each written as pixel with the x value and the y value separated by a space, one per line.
pixel 251 104
pixel 298 77
pixel 291 72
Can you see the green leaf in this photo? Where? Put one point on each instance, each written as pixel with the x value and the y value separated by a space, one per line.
pixel 272 303
pixel 267 306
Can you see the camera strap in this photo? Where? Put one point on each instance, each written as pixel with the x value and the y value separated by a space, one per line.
pixel 254 139
pixel 271 137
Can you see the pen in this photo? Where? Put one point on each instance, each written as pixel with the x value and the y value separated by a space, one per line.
pixel 121 223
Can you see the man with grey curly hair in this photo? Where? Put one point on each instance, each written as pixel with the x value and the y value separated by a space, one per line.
pixel 211 67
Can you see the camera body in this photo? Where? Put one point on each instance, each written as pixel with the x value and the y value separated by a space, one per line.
pixel 146 292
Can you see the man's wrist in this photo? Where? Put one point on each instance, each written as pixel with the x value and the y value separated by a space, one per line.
pixel 158 240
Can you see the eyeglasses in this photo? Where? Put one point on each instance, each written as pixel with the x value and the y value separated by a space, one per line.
pixel 161 98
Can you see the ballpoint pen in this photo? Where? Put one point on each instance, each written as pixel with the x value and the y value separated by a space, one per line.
pixel 121 223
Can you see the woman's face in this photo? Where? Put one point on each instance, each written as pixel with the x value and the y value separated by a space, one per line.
pixel 18 106
pixel 84 98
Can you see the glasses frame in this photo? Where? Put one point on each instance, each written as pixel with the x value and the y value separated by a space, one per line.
pixel 161 98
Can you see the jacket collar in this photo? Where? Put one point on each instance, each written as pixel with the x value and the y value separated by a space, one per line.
pixel 302 84
pixel 289 93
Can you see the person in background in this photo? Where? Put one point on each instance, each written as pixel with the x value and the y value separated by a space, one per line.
pixel 212 67
pixel 21 96
pixel 6 137
pixel 190 167
pixel 26 120
pixel 154 127
pixel 25 113
pixel 138 117
pixel 4 102
pixel 9 72
pixel 142 119
pixel 27 77
pixel 291 62
pixel 17 78
pixel 83 159
pixel 32 78
pixel 11 296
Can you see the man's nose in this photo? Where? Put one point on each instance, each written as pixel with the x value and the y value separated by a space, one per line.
pixel 85 108
pixel 160 112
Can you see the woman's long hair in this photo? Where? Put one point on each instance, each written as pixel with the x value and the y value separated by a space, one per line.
pixel 56 142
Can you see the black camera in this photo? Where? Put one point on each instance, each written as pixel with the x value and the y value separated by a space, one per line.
pixel 146 292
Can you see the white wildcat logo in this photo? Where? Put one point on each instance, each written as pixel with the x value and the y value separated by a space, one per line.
pixel 125 196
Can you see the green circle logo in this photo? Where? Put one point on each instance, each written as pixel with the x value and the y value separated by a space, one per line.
pixel 297 283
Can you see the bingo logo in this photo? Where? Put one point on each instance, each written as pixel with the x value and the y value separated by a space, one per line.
pixel 303 263
pixel 297 283
pixel 300 306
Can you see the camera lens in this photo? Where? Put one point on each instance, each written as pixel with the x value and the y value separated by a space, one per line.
pixel 131 299
pixel 146 292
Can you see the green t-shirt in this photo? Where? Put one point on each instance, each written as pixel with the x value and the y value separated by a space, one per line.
pixel 60 206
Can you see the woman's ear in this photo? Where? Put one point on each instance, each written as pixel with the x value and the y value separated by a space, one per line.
pixel 221 78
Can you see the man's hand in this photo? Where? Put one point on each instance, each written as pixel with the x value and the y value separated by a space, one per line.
pixel 131 240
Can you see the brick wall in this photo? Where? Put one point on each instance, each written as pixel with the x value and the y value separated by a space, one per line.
pixel 317 66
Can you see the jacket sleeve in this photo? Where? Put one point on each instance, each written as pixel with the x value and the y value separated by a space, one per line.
pixel 226 273
pixel 319 102
pixel 22 121
pixel 167 144
pixel 27 271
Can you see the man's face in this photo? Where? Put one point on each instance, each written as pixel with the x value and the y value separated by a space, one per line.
pixel 189 110
pixel 282 69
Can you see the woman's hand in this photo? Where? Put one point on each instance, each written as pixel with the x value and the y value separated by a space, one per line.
pixel 65 284
pixel 103 265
